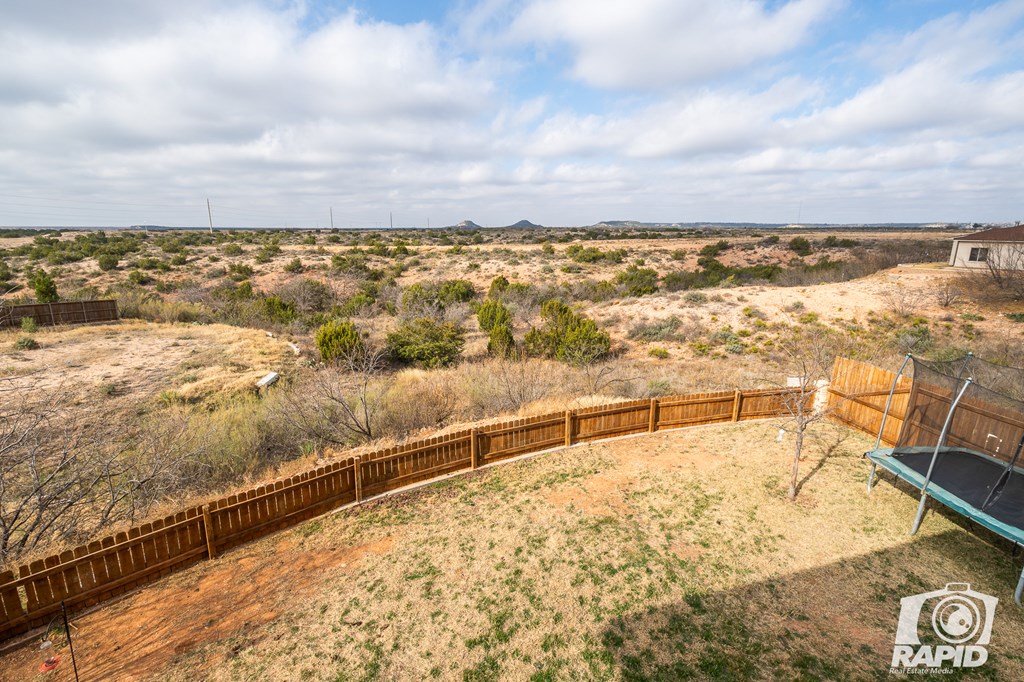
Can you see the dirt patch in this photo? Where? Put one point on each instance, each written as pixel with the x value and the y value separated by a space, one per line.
pixel 146 631
pixel 140 359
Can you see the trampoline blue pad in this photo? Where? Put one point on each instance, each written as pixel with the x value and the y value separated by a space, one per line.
pixel 962 480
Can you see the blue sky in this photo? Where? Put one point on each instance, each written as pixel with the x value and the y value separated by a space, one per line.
pixel 564 112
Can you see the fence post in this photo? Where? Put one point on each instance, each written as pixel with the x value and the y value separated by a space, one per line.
pixel 737 402
pixel 53 320
pixel 474 448
pixel 211 543
pixel 357 472
pixel 568 427
pixel 652 421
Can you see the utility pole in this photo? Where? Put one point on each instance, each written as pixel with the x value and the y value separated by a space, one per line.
pixel 209 213
pixel 391 217
pixel 332 217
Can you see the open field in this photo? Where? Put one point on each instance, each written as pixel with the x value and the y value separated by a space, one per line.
pixel 142 359
pixel 670 556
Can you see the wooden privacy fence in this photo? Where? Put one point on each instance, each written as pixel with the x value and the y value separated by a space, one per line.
pixel 65 312
pixel 103 569
pixel 857 394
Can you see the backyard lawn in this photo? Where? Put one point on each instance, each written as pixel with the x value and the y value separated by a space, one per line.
pixel 662 557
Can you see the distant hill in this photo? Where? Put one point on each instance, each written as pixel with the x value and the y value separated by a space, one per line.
pixel 467 225
pixel 523 224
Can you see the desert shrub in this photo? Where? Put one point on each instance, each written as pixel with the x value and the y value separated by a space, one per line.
pixel 800 245
pixel 337 339
pixel 501 342
pixel 180 258
pixel 753 312
pixel 430 300
pixel 498 286
pixel 491 314
pixel 240 271
pixel 592 254
pixel 139 278
pixel 637 281
pixel 695 297
pixel 567 336
pixel 660 354
pixel 107 261
pixel 44 286
pixel 279 311
pixel 455 291
pixel 427 343
pixel 659 330
pixel 1015 317
pixel 294 266
pixel 28 325
pixel 770 240
pixel 26 343
pixel 307 295
pixel 678 254
pixel 834 242
pixel 712 250
pixel 232 249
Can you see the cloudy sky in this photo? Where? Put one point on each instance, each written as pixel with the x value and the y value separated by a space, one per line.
pixel 564 112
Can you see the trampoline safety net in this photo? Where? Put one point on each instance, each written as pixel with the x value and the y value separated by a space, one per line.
pixel 981 454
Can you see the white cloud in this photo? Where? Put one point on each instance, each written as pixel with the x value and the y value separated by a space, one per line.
pixel 640 44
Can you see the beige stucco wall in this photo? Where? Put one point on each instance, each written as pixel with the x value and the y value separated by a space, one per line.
pixel 1006 253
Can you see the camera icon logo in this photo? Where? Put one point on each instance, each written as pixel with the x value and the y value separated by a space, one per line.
pixel 960 621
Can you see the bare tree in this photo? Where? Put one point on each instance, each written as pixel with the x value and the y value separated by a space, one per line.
pixel 342 404
pixel 948 293
pixel 807 357
pixel 65 474
pixel 1005 264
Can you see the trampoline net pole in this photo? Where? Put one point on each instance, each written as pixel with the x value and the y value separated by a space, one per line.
pixel 935 455
pixel 888 404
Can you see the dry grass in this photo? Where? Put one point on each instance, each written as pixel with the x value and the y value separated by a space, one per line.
pixel 144 359
pixel 660 557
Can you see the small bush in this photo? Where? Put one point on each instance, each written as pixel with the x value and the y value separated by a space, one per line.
pixel 45 287
pixel 695 297
pixel 427 343
pixel 107 262
pixel 1015 317
pixel 501 342
pixel 499 285
pixel 26 343
pixel 800 245
pixel 28 325
pixel 232 249
pixel 492 314
pixel 567 336
pixel 637 281
pixel 659 353
pixel 294 266
pixel 139 278
pixel 338 339
pixel 678 254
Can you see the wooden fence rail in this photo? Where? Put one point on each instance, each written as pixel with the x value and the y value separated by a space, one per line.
pixel 65 312
pixel 857 395
pixel 106 568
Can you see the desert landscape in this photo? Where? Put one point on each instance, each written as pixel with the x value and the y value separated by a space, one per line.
pixel 167 399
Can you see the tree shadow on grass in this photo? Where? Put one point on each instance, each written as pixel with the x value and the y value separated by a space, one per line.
pixel 834 622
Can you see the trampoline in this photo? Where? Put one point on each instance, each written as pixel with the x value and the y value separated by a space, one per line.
pixel 961 443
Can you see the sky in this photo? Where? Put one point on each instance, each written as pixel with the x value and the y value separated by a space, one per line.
pixel 562 112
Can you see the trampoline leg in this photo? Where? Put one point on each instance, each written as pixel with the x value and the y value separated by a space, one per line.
pixel 920 514
pixel 1020 589
pixel 871 477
